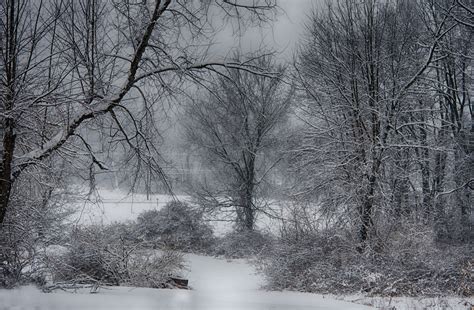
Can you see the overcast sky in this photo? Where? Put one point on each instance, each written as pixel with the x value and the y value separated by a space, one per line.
pixel 282 34
pixel 290 25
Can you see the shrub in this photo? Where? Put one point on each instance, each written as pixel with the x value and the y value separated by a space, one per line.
pixel 243 243
pixel 178 226
pixel 152 269
pixel 301 261
pixel 35 219
pixel 111 255
pixel 16 251
pixel 409 263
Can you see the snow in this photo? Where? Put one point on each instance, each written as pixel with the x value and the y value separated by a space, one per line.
pixel 226 275
pixel 117 206
pixel 217 284
pixel 414 303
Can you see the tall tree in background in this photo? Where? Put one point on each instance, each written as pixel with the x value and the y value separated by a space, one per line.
pixel 237 122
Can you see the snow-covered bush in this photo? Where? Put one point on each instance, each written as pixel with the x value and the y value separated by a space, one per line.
pixel 36 219
pixel 307 261
pixel 15 252
pixel 112 255
pixel 325 261
pixel 94 253
pixel 152 269
pixel 177 226
pixel 243 243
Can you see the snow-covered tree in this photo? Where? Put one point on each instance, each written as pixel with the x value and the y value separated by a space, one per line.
pixel 235 126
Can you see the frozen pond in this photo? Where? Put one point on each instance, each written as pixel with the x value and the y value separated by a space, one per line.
pixel 217 285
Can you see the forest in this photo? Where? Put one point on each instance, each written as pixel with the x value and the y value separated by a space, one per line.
pixel 341 165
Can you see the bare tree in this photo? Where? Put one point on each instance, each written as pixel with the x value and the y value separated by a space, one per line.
pixel 83 81
pixel 464 13
pixel 450 83
pixel 236 123
pixel 68 65
pixel 384 153
pixel 360 66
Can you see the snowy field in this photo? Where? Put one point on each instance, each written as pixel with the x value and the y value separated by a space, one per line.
pixel 117 206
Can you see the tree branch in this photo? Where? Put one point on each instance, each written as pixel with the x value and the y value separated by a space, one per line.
pixel 104 106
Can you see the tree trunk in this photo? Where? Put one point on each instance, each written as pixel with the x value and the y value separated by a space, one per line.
pixel 247 192
pixel 463 172
pixel 9 136
pixel 366 212
pixel 246 216
pixel 439 216
pixel 6 168
pixel 427 203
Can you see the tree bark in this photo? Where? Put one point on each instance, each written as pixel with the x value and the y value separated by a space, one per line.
pixel 9 136
pixel 6 168
pixel 247 195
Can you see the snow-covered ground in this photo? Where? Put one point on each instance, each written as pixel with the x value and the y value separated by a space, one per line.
pixel 217 284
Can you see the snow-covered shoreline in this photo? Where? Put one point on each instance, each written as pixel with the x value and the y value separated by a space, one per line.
pixel 218 284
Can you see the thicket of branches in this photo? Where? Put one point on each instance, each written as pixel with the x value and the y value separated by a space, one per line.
pixel 115 254
pixel 176 226
pixel 386 153
pixel 390 114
